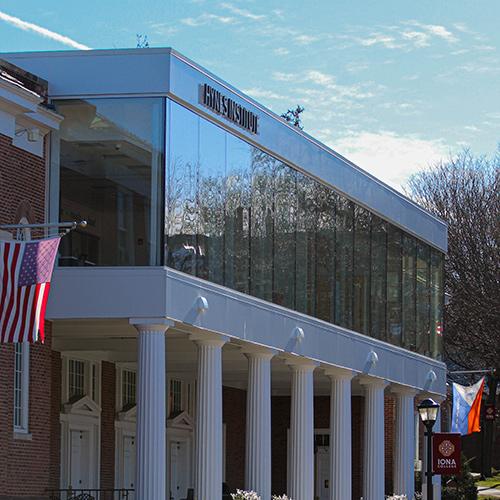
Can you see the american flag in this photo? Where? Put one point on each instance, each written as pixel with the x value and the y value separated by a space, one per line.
pixel 25 272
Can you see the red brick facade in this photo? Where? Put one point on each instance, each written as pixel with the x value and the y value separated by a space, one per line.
pixel 108 407
pixel 234 417
pixel 31 465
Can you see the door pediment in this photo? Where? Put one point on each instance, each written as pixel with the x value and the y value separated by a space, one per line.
pixel 129 415
pixel 83 406
pixel 181 421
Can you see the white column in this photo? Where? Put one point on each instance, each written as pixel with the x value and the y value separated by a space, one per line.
pixel 301 471
pixel 258 424
pixel 404 442
pixel 151 409
pixel 340 434
pixel 373 470
pixel 208 434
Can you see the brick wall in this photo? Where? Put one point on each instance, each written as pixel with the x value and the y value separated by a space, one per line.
pixel 108 403
pixel 22 178
pixel 234 417
pixel 358 415
pixel 27 466
pixel 389 423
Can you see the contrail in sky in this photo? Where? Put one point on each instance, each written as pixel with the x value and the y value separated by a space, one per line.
pixel 19 23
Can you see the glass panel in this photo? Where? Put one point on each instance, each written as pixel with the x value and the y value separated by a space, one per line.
pixel 239 217
pixel 361 279
pixel 18 385
pixel 181 189
pixel 175 397
pixel 409 289
pixel 378 284
pixel 110 175
pixel 423 298
pixel 394 267
pixel 285 222
pixel 325 253
pixel 128 388
pixel 305 265
pixel 211 202
pixel 437 299
pixel 261 225
pixel 238 207
pixel 76 379
pixel 344 254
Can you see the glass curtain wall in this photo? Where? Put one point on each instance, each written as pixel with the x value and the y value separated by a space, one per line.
pixel 241 218
pixel 111 171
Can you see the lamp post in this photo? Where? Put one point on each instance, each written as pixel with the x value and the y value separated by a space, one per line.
pixel 428 411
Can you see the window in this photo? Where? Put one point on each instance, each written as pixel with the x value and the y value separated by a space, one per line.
pixel 21 387
pixel 76 380
pixel 239 217
pixel 128 389
pixel 81 378
pixel 111 169
pixel 176 405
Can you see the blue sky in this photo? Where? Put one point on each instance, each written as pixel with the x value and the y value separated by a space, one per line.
pixel 392 84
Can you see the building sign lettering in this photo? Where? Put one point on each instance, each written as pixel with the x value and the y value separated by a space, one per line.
pixel 229 109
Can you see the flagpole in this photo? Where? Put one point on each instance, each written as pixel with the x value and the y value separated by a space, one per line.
pixel 68 225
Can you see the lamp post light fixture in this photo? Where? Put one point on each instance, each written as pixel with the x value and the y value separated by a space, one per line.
pixel 428 411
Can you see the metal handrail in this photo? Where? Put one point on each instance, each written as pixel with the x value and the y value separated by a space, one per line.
pixel 90 494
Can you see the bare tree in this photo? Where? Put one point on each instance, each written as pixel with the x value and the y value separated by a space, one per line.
pixel 293 116
pixel 142 41
pixel 465 192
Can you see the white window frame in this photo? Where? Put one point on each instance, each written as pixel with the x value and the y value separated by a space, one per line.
pixel 89 366
pixel 121 367
pixel 22 426
pixel 188 394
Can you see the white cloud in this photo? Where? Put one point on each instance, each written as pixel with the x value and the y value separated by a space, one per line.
pixel 258 93
pixel 242 12
pixel 281 51
pixel 320 78
pixel 206 18
pixel 26 26
pixel 283 77
pixel 471 128
pixel 387 41
pixel 305 39
pixel 389 156
pixel 418 38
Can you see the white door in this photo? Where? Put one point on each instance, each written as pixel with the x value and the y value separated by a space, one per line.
pixel 129 464
pixel 323 473
pixel 179 469
pixel 79 475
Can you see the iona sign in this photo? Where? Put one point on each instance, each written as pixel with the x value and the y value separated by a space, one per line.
pixel 446 453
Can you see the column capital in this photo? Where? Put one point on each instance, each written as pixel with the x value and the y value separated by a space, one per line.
pixel 144 325
pixel 298 363
pixel 373 382
pixel 339 373
pixel 208 338
pixel 258 351
pixel 403 390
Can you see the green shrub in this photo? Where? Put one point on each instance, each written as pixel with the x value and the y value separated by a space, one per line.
pixel 460 487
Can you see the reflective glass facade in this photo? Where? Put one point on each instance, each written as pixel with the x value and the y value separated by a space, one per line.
pixel 236 216
pixel 111 171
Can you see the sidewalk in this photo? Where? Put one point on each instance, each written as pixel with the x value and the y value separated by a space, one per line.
pixel 489 492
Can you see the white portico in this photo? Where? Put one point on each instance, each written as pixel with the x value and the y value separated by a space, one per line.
pixel 158 347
